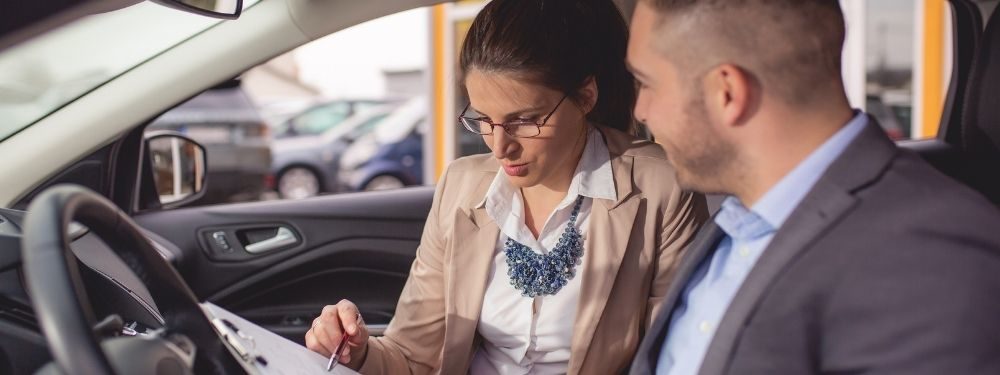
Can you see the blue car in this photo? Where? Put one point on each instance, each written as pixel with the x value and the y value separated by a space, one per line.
pixel 392 155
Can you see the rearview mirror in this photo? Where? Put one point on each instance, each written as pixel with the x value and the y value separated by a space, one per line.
pixel 225 9
pixel 178 165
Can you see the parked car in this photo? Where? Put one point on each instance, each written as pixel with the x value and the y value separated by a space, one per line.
pixel 307 166
pixel 322 117
pixel 392 155
pixel 225 121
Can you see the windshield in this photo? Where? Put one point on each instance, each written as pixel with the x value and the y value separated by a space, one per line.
pixel 40 76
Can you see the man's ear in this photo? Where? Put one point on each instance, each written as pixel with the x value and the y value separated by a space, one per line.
pixel 588 95
pixel 729 90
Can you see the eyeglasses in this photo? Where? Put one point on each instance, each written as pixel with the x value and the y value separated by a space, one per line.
pixel 516 128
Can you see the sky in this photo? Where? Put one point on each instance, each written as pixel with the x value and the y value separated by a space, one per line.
pixel 349 63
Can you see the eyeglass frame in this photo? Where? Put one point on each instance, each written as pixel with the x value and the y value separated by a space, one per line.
pixel 507 125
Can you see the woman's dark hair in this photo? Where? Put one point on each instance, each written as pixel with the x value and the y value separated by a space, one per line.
pixel 558 44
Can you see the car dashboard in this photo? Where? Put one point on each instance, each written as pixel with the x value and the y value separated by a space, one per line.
pixel 110 285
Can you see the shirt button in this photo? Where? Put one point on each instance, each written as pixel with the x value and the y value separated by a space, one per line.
pixel 744 251
pixel 705 326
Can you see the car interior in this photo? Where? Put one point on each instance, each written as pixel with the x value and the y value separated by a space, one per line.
pixel 135 265
pixel 966 147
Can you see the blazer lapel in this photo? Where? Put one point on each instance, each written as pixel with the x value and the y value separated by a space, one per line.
pixel 701 247
pixel 807 222
pixel 472 248
pixel 610 228
pixel 831 198
pixel 604 250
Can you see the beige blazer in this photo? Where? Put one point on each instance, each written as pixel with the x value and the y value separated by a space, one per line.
pixel 629 260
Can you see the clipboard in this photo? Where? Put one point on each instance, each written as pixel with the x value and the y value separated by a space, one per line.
pixel 263 352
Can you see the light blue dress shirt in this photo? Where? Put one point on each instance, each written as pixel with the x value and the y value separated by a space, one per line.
pixel 713 285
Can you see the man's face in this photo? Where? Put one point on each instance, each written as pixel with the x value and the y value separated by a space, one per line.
pixel 672 105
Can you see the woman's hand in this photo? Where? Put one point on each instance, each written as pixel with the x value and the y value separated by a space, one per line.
pixel 328 329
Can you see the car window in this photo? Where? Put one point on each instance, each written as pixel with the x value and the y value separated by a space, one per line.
pixel 303 124
pixel 318 119
pixel 43 74
pixel 897 63
pixel 366 127
pixel 360 106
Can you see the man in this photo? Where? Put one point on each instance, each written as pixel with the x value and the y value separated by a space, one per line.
pixel 835 251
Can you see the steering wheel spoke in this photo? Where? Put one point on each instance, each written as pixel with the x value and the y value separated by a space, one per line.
pixel 65 314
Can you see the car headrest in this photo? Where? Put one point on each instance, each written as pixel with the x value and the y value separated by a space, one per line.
pixel 981 113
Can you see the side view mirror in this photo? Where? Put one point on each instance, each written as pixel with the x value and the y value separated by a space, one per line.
pixel 178 164
pixel 224 9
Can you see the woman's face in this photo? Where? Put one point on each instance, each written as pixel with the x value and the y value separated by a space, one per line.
pixel 548 159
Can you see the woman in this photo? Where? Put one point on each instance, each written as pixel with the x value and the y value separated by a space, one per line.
pixel 551 254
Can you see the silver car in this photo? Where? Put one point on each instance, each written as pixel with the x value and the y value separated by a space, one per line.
pixel 307 166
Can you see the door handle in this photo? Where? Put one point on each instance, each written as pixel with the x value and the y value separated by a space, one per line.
pixel 284 237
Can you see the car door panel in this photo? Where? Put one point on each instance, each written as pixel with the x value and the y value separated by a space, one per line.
pixel 353 246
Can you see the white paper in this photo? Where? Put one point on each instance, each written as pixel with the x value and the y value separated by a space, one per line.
pixel 283 356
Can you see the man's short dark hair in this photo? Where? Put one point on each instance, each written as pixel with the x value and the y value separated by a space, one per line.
pixel 792 47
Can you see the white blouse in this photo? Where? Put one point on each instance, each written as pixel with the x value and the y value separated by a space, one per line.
pixel 532 335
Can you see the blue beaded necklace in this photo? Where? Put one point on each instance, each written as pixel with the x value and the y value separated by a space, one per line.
pixel 535 274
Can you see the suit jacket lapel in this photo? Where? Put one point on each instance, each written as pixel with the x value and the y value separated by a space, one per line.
pixel 472 248
pixel 811 219
pixel 610 228
pixel 701 247
pixel 609 233
pixel 831 198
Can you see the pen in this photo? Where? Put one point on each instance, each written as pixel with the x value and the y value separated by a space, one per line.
pixel 335 357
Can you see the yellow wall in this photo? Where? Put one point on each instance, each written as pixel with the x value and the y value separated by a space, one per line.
pixel 932 76
pixel 438 19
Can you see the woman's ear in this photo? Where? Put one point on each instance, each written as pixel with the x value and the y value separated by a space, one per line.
pixel 588 95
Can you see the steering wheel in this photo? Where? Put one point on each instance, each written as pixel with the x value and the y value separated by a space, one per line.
pixel 65 313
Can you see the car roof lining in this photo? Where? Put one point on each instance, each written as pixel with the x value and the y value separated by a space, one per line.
pixel 314 19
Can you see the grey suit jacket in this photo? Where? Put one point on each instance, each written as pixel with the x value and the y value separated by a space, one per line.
pixel 886 267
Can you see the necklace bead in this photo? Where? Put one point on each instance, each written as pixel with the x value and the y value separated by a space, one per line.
pixel 535 274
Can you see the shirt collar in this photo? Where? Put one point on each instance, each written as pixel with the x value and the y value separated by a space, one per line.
pixel 783 197
pixel 777 204
pixel 740 223
pixel 593 178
